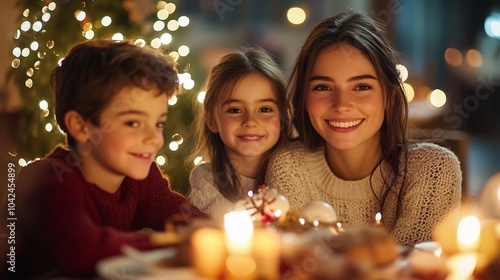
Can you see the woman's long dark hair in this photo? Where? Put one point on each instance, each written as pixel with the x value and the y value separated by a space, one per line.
pixel 368 36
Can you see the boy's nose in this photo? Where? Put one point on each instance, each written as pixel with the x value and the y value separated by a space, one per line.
pixel 154 136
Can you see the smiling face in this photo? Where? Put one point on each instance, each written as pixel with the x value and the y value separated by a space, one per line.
pixel 249 120
pixel 345 99
pixel 128 137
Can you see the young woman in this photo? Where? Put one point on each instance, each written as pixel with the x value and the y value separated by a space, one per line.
pixel 244 119
pixel 350 113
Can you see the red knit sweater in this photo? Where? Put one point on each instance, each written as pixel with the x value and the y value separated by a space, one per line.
pixel 67 224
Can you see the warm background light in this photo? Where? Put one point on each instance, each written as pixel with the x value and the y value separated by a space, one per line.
pixel 453 56
pixel 296 15
pixel 474 58
pixel 437 98
pixel 409 91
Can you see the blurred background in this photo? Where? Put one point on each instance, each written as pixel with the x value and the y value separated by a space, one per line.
pixel 450 49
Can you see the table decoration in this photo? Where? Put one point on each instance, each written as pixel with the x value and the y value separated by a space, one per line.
pixel 240 263
pixel 262 238
pixel 470 238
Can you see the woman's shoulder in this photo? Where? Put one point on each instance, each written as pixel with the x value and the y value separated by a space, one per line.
pixel 292 150
pixel 295 157
pixel 430 158
pixel 430 152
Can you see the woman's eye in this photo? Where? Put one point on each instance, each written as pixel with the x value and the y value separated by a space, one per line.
pixel 321 88
pixel 161 124
pixel 363 87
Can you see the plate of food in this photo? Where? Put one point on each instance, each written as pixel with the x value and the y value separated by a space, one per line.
pixel 134 263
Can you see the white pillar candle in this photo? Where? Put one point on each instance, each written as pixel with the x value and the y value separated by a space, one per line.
pixel 208 252
pixel 267 253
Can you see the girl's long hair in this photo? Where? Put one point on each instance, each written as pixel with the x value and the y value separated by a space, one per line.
pixel 219 87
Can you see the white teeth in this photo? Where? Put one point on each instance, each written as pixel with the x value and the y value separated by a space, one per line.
pixel 251 138
pixel 344 124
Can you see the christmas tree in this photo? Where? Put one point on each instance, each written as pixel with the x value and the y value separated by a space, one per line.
pixel 47 31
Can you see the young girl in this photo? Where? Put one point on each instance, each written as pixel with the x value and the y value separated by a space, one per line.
pixel 244 119
pixel 350 112
pixel 83 202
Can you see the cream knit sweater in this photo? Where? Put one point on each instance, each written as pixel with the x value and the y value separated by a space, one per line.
pixel 434 188
pixel 205 195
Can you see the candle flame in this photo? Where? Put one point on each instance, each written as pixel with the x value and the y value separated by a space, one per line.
pixel 250 193
pixel 239 226
pixel 468 230
pixel 378 217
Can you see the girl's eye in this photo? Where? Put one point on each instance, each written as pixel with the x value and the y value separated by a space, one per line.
pixel 234 111
pixel 132 124
pixel 161 124
pixel 266 110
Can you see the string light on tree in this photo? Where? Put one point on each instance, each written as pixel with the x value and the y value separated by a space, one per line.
pixel 40 44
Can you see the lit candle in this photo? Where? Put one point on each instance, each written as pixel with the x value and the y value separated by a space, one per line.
pixel 267 253
pixel 239 229
pixel 208 252
pixel 378 219
pixel 489 242
pixel 468 232
pixel 462 265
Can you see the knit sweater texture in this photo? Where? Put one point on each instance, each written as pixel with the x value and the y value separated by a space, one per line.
pixel 205 195
pixel 66 224
pixel 433 189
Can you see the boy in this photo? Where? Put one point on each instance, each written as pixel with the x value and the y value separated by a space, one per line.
pixel 81 204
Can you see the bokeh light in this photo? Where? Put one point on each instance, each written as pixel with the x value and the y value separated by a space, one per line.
pixel 453 57
pixel 161 160
pixel 437 98
pixel 409 91
pixel 474 58
pixel 296 15
pixel 106 21
pixel 492 25
pixel 403 72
